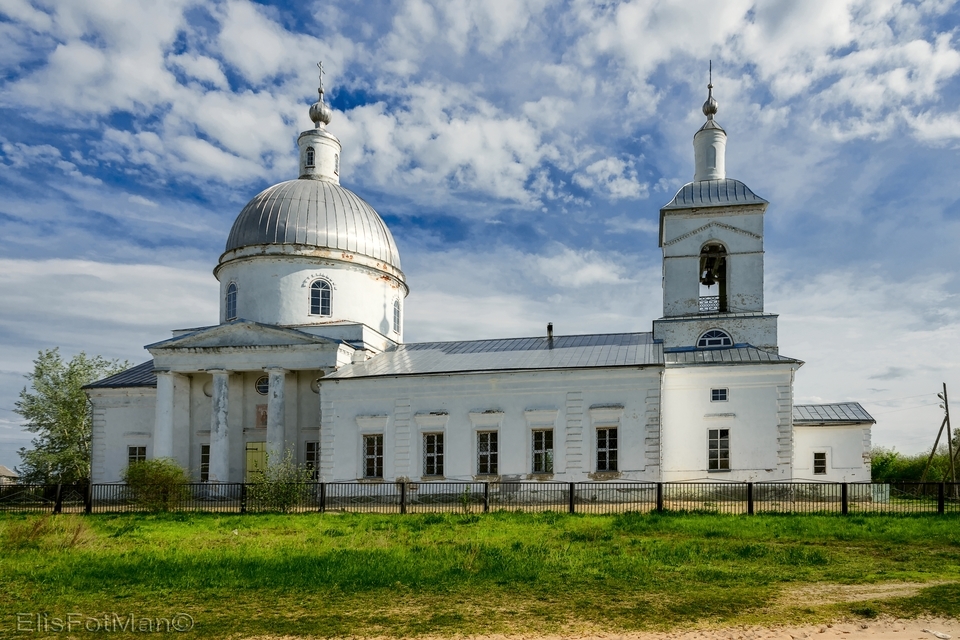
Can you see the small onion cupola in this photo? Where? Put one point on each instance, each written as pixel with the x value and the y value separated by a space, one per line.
pixel 710 142
pixel 319 149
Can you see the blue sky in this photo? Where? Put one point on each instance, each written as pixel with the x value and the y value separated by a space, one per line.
pixel 520 151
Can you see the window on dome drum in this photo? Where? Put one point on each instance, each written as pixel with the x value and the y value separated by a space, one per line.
pixel 310 156
pixel 336 164
pixel 204 463
pixel 321 298
pixel 718 395
pixel 136 454
pixel 487 453
pixel 433 454
pixel 543 451
pixel 715 338
pixel 396 316
pixel 373 456
pixel 718 450
pixel 263 385
pixel 606 449
pixel 713 279
pixel 820 463
pixel 311 458
pixel 231 311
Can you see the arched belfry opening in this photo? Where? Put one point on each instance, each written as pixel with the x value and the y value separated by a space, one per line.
pixel 713 278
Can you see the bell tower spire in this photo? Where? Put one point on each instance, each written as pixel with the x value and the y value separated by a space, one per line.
pixel 710 142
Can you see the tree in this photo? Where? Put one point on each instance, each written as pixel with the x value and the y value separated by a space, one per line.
pixel 58 411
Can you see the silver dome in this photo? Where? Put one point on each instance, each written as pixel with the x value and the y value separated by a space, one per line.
pixel 316 213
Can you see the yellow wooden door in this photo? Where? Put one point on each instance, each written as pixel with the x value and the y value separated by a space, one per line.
pixel 256 459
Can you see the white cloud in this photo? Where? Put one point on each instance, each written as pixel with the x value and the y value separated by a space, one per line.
pixel 613 177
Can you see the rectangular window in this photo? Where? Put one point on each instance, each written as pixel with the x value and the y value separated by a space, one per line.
pixel 433 454
pixel 136 454
pixel 718 395
pixel 543 451
pixel 311 459
pixel 487 453
pixel 820 463
pixel 373 456
pixel 204 463
pixel 718 450
pixel 606 449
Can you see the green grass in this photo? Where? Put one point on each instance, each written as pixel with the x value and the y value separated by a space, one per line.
pixel 338 575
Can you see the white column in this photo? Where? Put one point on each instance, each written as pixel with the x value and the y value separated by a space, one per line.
pixel 276 414
pixel 163 427
pixel 219 434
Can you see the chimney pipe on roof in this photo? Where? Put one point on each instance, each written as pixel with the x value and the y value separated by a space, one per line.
pixel 549 331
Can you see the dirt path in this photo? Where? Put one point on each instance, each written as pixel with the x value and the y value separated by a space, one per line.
pixel 879 629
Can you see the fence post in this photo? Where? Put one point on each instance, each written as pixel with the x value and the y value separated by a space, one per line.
pixel 659 496
pixel 573 493
pixel 243 497
pixel 403 497
pixel 750 498
pixel 58 499
pixel 486 497
pixel 88 499
pixel 323 497
pixel 844 499
pixel 941 497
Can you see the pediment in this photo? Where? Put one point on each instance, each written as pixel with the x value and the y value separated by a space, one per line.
pixel 709 226
pixel 240 333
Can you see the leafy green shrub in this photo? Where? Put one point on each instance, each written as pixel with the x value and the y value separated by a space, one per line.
pixel 281 486
pixel 887 465
pixel 157 485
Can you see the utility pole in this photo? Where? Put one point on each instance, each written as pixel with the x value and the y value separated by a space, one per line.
pixel 945 405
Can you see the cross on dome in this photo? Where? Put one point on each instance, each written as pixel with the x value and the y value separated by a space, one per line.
pixel 320 113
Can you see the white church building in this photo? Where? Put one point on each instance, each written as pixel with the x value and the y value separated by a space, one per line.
pixel 308 360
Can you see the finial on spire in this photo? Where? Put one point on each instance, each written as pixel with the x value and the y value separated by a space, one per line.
pixel 320 113
pixel 710 106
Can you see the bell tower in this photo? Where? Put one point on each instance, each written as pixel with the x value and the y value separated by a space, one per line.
pixel 711 235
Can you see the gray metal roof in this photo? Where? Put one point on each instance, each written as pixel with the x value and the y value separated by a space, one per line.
pixel 7 473
pixel 735 355
pixel 141 375
pixel 317 213
pixel 830 413
pixel 713 193
pixel 562 352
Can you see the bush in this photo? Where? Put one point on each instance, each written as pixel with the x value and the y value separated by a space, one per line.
pixel 157 485
pixel 281 486
pixel 887 465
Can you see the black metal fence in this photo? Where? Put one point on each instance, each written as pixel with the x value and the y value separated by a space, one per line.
pixel 479 497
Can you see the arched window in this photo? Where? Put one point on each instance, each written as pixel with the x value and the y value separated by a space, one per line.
pixel 336 164
pixel 310 156
pixel 321 298
pixel 715 338
pixel 231 313
pixel 396 316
